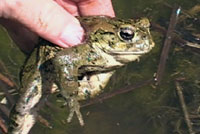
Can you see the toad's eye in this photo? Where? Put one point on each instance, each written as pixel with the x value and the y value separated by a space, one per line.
pixel 126 33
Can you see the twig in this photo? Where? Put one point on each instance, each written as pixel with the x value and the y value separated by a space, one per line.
pixel 176 38
pixel 6 80
pixel 8 96
pixel 3 126
pixel 184 108
pixel 117 92
pixel 195 45
pixel 167 44
pixel 186 13
pixel 44 121
pixel 4 69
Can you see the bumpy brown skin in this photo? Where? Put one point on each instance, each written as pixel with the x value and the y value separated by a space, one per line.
pixel 79 72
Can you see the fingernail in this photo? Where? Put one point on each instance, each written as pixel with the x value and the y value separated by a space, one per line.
pixel 72 35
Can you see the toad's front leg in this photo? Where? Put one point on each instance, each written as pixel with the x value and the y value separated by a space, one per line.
pixel 74 108
pixel 67 81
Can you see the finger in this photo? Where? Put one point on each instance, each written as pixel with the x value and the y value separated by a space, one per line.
pixel 95 7
pixel 69 6
pixel 47 19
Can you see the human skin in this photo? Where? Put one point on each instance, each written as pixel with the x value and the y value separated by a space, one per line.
pixel 51 19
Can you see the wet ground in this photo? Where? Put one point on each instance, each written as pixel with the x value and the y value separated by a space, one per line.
pixel 149 109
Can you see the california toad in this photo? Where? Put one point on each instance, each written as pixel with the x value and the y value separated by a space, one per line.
pixel 82 71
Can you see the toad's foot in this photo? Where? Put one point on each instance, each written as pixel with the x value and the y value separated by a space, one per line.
pixel 75 107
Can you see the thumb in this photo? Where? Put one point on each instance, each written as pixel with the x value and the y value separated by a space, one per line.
pixel 47 19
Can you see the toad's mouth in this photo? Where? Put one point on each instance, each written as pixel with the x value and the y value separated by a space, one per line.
pixel 128 53
pixel 136 50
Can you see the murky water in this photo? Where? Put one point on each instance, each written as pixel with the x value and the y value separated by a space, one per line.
pixel 145 110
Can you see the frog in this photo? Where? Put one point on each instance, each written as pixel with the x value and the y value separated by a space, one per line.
pixel 79 72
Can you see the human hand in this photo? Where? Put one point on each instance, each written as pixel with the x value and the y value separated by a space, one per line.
pixel 51 19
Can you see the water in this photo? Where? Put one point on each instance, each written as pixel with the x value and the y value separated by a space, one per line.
pixel 145 110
